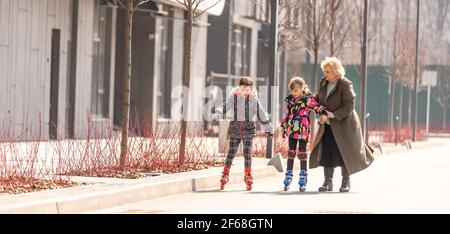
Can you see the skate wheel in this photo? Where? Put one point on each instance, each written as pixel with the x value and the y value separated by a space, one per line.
pixel 222 187
pixel 286 188
pixel 249 187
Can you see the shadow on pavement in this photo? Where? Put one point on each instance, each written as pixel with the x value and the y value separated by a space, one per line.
pixel 283 193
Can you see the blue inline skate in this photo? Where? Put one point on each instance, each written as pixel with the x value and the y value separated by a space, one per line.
pixel 303 180
pixel 288 179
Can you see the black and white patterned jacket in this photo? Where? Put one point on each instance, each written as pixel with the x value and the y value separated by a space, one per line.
pixel 245 111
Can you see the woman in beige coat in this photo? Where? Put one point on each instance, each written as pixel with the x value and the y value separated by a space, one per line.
pixel 339 141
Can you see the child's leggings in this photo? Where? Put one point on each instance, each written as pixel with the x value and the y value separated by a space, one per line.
pixel 300 153
pixel 234 145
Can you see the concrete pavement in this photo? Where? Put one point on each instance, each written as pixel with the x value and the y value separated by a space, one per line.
pixel 104 193
pixel 101 193
pixel 405 182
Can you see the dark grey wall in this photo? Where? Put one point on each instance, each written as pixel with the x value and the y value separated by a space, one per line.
pixel 217 50
pixel 142 71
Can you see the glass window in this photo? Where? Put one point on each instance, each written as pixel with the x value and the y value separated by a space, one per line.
pixel 241 51
pixel 165 61
pixel 101 60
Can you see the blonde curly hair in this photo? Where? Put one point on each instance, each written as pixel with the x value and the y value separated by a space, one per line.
pixel 335 65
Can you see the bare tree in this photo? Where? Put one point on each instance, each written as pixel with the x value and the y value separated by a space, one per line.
pixel 407 56
pixel 439 27
pixel 339 24
pixel 192 12
pixel 310 22
pixel 405 66
pixel 305 24
pixel 376 8
pixel 403 57
pixel 441 19
pixel 408 60
pixel 311 29
pixel 288 23
pixel 443 87
pixel 375 39
pixel 436 20
pixel 443 92
pixel 394 69
pixel 130 7
pixel 302 25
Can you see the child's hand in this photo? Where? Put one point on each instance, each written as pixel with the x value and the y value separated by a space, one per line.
pixel 269 134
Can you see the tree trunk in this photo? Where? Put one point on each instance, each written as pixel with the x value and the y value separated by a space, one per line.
pixel 332 23
pixel 126 85
pixel 332 40
pixel 315 69
pixel 392 117
pixel 389 115
pixel 409 106
pixel 400 106
pixel 186 81
pixel 315 46
pixel 315 81
pixel 444 123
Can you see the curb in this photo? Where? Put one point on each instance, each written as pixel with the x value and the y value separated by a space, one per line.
pixel 439 135
pixel 402 147
pixel 81 203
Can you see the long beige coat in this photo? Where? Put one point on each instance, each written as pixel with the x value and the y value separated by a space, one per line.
pixel 345 126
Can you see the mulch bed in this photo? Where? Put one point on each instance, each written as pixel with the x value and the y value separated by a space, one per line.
pixel 18 186
pixel 22 185
pixel 140 172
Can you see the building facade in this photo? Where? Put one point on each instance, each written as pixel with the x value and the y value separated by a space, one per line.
pixel 61 63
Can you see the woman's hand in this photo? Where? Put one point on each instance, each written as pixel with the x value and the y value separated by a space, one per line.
pixel 330 115
pixel 323 119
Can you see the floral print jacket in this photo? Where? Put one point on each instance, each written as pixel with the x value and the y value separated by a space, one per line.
pixel 296 120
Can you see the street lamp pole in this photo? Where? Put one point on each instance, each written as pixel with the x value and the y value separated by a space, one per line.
pixel 364 71
pixel 416 73
pixel 273 47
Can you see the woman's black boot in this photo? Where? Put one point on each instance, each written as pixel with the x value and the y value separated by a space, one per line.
pixel 345 186
pixel 328 183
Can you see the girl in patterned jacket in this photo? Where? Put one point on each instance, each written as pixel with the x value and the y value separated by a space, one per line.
pixel 296 124
pixel 245 111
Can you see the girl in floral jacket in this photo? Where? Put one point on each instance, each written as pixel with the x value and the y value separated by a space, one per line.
pixel 296 124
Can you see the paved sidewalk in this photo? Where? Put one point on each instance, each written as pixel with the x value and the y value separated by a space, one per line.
pixel 103 193
pixel 407 182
